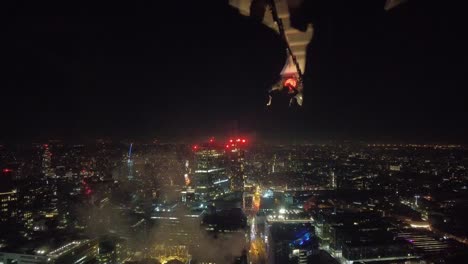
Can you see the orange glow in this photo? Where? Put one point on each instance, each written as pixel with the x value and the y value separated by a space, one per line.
pixel 291 83
pixel 187 179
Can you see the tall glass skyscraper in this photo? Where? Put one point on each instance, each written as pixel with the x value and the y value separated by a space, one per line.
pixel 209 176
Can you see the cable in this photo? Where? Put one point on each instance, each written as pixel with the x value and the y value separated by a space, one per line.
pixel 279 22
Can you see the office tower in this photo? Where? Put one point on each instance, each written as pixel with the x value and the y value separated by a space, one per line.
pixel 8 196
pixel 235 150
pixel 209 177
pixel 130 163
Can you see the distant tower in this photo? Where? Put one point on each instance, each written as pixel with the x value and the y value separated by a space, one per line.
pixel 209 176
pixel 130 163
pixel 236 153
pixel 47 161
pixel 187 173
pixel 8 196
pixel 333 184
pixel 416 199
pixel 274 164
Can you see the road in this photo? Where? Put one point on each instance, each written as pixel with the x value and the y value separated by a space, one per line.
pixel 257 250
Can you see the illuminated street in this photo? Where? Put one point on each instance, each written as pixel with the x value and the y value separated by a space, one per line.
pixel 257 251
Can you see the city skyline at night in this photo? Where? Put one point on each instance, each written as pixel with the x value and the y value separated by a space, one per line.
pixel 184 202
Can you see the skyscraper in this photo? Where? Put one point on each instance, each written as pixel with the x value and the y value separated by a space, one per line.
pixel 236 152
pixel 8 196
pixel 130 163
pixel 209 177
pixel 47 161
pixel 333 184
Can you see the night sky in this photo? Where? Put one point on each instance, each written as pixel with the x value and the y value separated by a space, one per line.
pixel 180 70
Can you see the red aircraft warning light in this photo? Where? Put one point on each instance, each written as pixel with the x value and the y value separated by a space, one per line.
pixel 291 83
pixel 7 170
pixel 238 140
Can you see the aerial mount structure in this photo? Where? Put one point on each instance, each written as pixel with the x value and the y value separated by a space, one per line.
pixel 296 41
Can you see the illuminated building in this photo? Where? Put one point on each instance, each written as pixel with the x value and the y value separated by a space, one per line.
pixel 187 173
pixel 390 250
pixel 209 177
pixel 291 243
pixel 395 167
pixel 361 237
pixel 47 161
pixel 20 258
pixel 188 195
pixel 77 252
pixel 49 195
pixel 26 198
pixel 50 208
pixel 423 242
pixel 248 202
pixel 333 180
pixel 111 251
pixel 367 242
pixel 178 225
pixel 130 163
pixel 8 202
pixel 178 231
pixel 235 149
pixel 8 197
pixel 228 227
pixel 171 254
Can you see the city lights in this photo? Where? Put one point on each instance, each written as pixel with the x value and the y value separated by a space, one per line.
pixel 235 188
